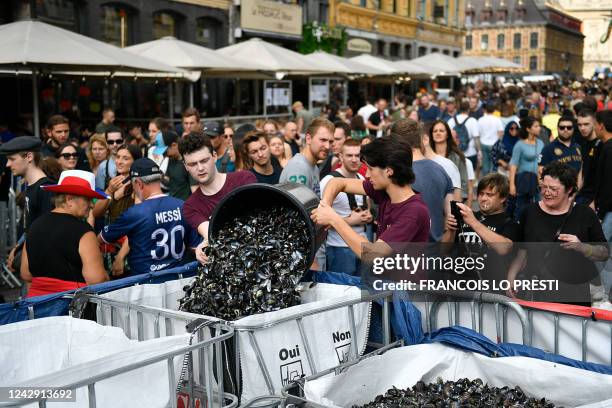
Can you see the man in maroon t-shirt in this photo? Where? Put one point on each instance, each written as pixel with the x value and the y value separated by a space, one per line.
pixel 199 158
pixel 402 214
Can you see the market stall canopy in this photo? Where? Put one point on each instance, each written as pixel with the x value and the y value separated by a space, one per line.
pixel 258 54
pixel 388 67
pixel 190 56
pixel 408 68
pixel 488 64
pixel 343 65
pixel 440 64
pixel 36 45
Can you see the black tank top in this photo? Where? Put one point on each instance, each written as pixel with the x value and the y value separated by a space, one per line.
pixel 53 247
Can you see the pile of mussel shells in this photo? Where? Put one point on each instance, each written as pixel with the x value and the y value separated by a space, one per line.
pixel 456 394
pixel 254 265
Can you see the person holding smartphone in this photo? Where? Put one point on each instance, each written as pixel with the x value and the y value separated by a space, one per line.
pixel 488 231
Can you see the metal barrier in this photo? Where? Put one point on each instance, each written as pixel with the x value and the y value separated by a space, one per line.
pixel 476 301
pixel 589 327
pixel 204 350
pixel 165 320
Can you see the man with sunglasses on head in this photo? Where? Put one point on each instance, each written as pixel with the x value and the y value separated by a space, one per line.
pixel 200 158
pixel 107 169
pixel 222 145
pixel 58 133
pixel 563 149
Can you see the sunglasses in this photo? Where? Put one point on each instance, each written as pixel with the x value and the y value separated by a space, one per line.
pixel 116 141
pixel 566 127
pixel 68 156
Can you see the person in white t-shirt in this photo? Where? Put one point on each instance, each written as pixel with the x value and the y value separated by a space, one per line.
pixel 367 110
pixel 490 129
pixel 473 150
pixel 354 209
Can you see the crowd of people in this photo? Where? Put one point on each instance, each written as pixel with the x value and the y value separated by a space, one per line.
pixel 487 165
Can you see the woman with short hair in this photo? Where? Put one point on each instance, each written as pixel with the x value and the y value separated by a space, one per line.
pixel 61 252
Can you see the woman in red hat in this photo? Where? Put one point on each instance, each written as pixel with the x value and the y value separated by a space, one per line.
pixel 61 252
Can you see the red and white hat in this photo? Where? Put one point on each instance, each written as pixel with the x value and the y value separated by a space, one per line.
pixel 78 183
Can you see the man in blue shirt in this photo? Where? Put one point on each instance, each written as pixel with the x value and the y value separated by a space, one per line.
pixel 562 149
pixel 157 233
pixel 428 112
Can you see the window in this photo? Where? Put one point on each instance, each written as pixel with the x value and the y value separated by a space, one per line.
pixel 421 9
pixel 381 47
pixel 434 50
pixel 394 50
pixel 446 52
pixel 115 26
pixel 208 32
pixel 533 63
pixel 517 60
pixel 62 13
pixel 468 42
pixel 484 42
pixel 164 25
pixel 323 10
pixel 440 11
pixel 501 39
pixel 408 51
pixel 422 51
pixel 533 40
pixel 517 41
pixel 456 54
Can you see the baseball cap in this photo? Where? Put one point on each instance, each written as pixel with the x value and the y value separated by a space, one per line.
pixel 212 129
pixel 144 167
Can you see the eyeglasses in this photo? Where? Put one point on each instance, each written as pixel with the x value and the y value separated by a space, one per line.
pixel 68 156
pixel 566 127
pixel 116 141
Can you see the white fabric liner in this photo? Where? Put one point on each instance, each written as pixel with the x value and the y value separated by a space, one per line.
pixel 55 351
pixel 403 367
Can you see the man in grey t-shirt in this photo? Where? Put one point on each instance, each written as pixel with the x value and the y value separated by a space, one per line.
pixel 302 168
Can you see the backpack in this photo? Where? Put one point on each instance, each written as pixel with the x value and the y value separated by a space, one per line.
pixel 462 133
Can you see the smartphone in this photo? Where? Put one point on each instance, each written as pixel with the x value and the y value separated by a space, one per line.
pixel 456 212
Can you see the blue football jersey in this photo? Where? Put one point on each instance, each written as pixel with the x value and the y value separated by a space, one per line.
pixel 157 233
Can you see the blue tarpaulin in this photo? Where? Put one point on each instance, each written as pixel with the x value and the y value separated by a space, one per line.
pixel 57 304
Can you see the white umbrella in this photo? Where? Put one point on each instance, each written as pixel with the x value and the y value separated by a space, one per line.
pixel 256 52
pixel 409 68
pixel 388 67
pixel 343 65
pixel 488 64
pixel 32 45
pixel 440 64
pixel 186 55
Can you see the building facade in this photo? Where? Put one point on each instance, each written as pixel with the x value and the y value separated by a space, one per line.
pixel 596 16
pixel 399 29
pixel 540 37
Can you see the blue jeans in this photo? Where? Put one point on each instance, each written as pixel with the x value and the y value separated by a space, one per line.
pixel 487 162
pixel 606 273
pixel 342 259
